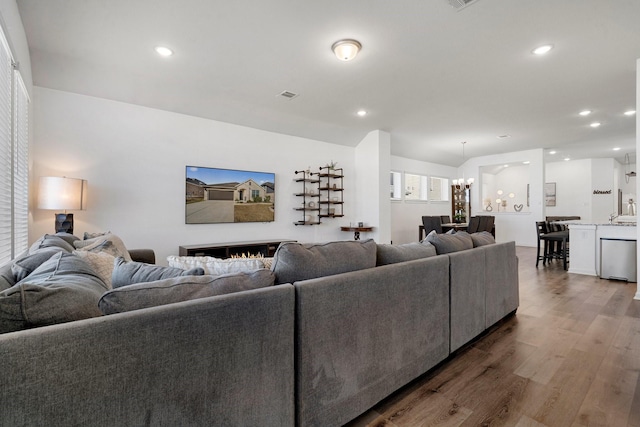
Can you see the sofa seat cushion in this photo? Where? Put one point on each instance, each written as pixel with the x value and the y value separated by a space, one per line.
pixel 447 243
pixel 297 261
pixel 216 266
pixel 62 289
pixel 391 254
pixel 181 288
pixel 482 238
pixel 128 273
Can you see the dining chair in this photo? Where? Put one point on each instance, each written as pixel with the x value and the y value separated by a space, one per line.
pixel 431 223
pixel 474 224
pixel 486 223
pixel 445 219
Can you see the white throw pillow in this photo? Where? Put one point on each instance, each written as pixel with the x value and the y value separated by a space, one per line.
pixel 101 262
pixel 216 266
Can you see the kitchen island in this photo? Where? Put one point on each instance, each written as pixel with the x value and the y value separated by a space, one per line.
pixel 586 241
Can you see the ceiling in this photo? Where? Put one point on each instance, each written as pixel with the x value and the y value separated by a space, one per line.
pixel 429 74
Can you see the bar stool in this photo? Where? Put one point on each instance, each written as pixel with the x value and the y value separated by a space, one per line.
pixel 541 230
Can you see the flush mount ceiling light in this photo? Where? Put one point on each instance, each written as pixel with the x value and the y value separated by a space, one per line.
pixel 616 149
pixel 347 49
pixel 504 136
pixel 629 113
pixel 566 159
pixel 595 124
pixel 361 113
pixel 585 112
pixel 163 51
pixel 541 50
pixel 552 152
pixel 526 162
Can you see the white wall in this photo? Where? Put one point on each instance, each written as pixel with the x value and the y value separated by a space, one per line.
pixel 406 216
pixel 372 160
pixel 573 188
pixel 519 227
pixel 576 181
pixel 134 159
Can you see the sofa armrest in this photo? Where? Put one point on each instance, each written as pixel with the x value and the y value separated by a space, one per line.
pixel 143 255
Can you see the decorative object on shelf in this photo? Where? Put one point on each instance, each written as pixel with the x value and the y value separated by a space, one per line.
pixel 628 173
pixel 498 203
pixel 62 193
pixel 357 230
pixel 518 208
pixel 488 208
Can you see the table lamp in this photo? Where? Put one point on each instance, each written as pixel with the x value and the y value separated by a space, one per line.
pixel 62 193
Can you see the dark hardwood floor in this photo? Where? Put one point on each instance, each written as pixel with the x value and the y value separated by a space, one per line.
pixel 569 357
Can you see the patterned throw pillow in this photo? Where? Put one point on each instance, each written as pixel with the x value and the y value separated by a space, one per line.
pixel 109 243
pixel 101 262
pixel 216 266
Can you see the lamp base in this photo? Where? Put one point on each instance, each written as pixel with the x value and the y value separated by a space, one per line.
pixel 64 223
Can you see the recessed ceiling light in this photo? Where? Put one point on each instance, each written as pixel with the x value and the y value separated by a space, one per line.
pixel 361 113
pixel 504 136
pixel 616 149
pixel 552 152
pixel 506 166
pixel 585 112
pixel 526 162
pixel 541 50
pixel 595 124
pixel 566 159
pixel 163 51
pixel 629 113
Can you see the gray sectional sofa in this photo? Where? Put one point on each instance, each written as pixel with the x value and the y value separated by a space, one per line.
pixel 345 325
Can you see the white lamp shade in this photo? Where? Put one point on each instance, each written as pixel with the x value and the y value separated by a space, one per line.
pixel 62 193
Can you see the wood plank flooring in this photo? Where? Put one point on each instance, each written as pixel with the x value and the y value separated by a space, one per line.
pixel 569 357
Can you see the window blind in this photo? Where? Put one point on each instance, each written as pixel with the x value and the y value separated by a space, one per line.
pixel 20 166
pixel 6 155
pixel 14 158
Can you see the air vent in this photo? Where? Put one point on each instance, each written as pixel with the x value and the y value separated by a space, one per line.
pixel 461 4
pixel 287 95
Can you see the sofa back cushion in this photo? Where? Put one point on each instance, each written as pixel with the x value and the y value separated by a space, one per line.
pixel 297 261
pixel 482 238
pixel 49 241
pixel 181 288
pixel 391 254
pixel 447 243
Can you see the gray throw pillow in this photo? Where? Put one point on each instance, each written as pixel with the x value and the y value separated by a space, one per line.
pixel 67 237
pixel 391 254
pixel 293 262
pixel 447 243
pixel 62 289
pixel 127 273
pixel 182 288
pixel 482 238
pixel 7 279
pixel 50 240
pixel 24 266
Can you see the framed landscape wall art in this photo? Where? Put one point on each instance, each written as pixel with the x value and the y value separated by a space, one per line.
pixel 215 195
pixel 550 194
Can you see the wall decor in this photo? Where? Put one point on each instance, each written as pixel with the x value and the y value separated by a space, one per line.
pixel 550 194
pixel 518 208
pixel 215 195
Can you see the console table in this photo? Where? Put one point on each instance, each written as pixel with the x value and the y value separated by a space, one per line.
pixel 225 250
pixel 357 231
